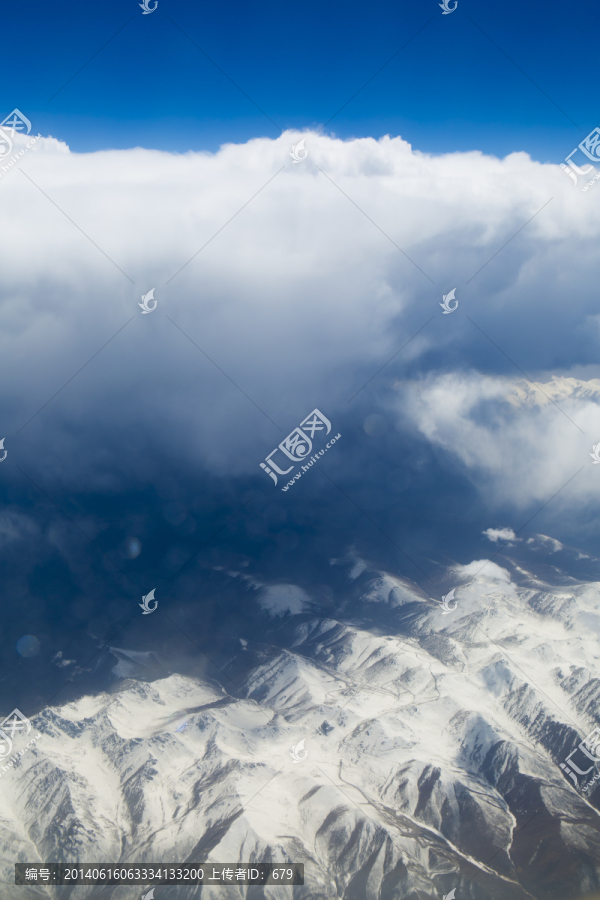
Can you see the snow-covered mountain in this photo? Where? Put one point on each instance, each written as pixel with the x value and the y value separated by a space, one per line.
pixel 557 389
pixel 430 743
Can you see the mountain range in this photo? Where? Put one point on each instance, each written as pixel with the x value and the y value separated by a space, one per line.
pixel 396 745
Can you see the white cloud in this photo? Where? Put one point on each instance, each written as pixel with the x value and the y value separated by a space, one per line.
pixel 357 569
pixel 299 299
pixel 16 526
pixel 394 591
pixel 509 438
pixel 500 534
pixel 281 598
pixel 483 570
pixel 548 543
pixel 484 577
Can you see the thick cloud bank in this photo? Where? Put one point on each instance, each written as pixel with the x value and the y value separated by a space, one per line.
pixel 285 286
pixel 521 441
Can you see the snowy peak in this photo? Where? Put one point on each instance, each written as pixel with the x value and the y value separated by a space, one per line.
pixel 400 749
pixel 558 389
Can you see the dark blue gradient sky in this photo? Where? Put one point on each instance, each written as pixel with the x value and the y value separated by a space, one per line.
pixel 494 77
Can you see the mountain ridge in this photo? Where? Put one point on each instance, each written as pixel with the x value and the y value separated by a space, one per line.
pixel 432 740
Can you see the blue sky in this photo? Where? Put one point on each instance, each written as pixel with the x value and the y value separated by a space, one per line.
pixel 452 87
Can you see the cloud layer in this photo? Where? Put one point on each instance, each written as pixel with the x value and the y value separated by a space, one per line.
pixel 518 442
pixel 283 287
